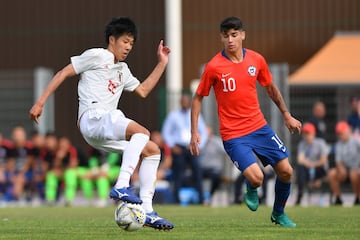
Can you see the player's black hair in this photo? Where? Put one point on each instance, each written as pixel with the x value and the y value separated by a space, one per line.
pixel 231 23
pixel 119 26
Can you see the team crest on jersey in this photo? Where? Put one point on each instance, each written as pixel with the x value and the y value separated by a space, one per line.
pixel 252 71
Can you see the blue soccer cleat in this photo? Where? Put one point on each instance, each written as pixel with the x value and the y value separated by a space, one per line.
pixel 153 220
pixel 124 194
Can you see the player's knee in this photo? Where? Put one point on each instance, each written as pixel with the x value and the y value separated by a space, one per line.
pixel 146 132
pixel 286 174
pixel 256 180
pixel 150 149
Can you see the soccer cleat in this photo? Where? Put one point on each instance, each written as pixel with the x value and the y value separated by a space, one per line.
pixel 252 199
pixel 124 194
pixel 282 220
pixel 153 220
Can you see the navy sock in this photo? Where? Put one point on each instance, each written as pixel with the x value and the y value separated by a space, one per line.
pixel 282 192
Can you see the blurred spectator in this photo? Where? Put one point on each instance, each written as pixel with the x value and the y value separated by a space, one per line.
pixel 50 167
pixel 354 117
pixel 318 119
pixel 212 160
pixel 39 169
pixel 5 148
pixel 347 157
pixel 66 161
pixel 102 171
pixel 312 158
pixel 19 166
pixel 176 134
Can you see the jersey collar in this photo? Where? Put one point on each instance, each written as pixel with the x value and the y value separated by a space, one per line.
pixel 225 56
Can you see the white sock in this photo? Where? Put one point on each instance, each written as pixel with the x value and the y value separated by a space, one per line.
pixel 147 177
pixel 130 158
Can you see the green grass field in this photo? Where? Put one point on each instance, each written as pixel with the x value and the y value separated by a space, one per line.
pixel 192 222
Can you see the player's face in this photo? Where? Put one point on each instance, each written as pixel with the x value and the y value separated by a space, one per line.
pixel 121 47
pixel 232 40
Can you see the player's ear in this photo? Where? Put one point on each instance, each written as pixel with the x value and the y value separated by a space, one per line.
pixel 111 39
pixel 242 35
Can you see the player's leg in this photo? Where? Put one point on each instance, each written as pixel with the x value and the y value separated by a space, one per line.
pixel 105 133
pixel 147 177
pixel 284 172
pixel 125 193
pixel 253 179
pixel 242 155
pixel 271 150
pixel 138 137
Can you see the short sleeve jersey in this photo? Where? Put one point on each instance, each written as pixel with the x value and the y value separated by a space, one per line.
pixel 313 151
pixel 102 81
pixel 348 153
pixel 234 86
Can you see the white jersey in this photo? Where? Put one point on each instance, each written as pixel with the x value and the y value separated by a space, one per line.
pixel 102 81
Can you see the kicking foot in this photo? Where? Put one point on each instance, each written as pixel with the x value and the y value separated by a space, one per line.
pixel 124 194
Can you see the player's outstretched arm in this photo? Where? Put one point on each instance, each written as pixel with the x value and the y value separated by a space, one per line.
pixel 55 82
pixel 195 136
pixel 149 83
pixel 291 123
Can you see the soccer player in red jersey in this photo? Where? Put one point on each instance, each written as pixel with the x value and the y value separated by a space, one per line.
pixel 233 74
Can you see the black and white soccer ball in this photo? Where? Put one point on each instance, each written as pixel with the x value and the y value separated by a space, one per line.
pixel 129 216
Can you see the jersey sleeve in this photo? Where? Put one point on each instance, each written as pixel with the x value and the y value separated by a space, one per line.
pixel 131 82
pixel 264 77
pixel 205 82
pixel 86 61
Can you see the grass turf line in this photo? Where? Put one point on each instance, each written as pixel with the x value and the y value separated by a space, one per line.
pixel 192 222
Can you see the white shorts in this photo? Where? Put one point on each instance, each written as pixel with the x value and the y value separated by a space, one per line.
pixel 104 130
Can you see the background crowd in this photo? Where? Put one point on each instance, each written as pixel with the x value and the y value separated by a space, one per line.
pixel 50 169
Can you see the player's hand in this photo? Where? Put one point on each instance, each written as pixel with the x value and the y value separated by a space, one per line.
pixel 194 144
pixel 35 112
pixel 293 125
pixel 163 52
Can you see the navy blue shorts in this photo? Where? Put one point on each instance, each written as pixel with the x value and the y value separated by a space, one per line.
pixel 264 143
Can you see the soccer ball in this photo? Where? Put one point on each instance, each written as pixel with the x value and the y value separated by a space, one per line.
pixel 130 217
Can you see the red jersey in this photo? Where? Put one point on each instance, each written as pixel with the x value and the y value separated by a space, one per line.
pixel 235 91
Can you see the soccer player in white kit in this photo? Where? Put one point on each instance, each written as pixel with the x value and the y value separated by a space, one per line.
pixel 103 77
